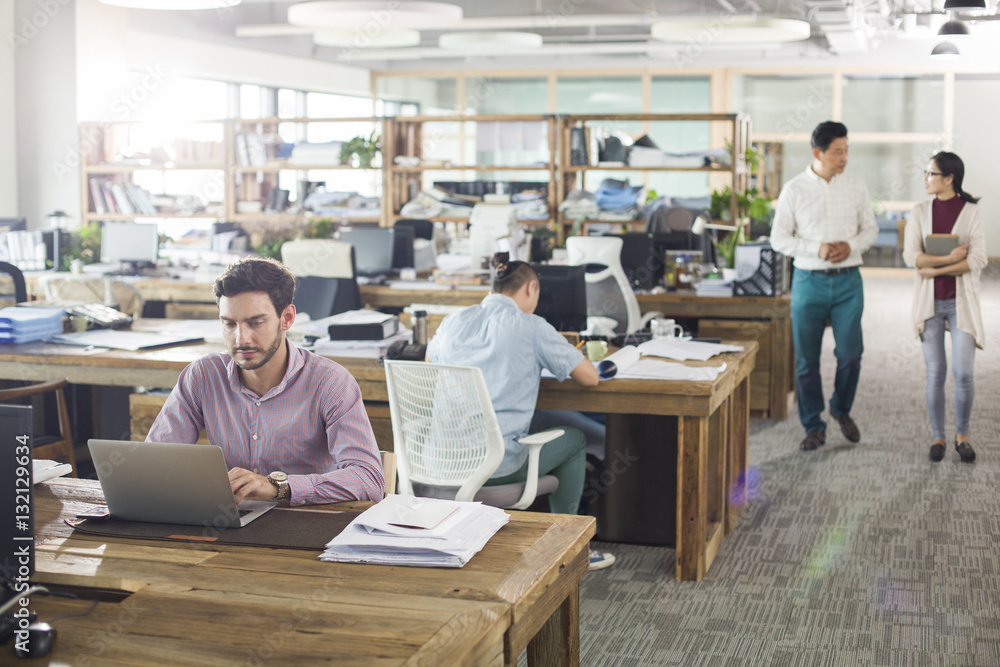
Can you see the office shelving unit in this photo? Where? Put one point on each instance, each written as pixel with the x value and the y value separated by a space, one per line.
pixel 256 173
pixel 413 137
pixel 736 172
pixel 108 173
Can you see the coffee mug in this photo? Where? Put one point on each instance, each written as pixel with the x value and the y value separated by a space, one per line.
pixel 662 328
pixel 597 349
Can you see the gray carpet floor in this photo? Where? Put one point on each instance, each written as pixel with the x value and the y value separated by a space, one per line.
pixel 863 554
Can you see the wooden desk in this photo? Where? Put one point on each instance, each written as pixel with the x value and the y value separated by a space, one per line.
pixel 222 604
pixel 765 319
pixel 696 432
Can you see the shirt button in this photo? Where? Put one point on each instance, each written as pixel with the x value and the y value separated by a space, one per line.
pixel 254 436
pixel 258 402
pixel 255 471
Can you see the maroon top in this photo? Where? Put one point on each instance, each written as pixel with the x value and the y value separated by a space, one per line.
pixel 943 217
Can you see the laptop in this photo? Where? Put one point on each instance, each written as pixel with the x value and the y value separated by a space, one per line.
pixel 170 483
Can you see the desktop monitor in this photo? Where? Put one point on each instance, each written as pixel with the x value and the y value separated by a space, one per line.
pixel 562 300
pixel 402 248
pixel 130 242
pixel 373 249
pixel 17 532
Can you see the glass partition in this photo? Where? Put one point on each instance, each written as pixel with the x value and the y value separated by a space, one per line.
pixel 880 103
pixel 786 104
pixel 418 95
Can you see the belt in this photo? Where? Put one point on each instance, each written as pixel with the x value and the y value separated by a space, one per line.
pixel 830 272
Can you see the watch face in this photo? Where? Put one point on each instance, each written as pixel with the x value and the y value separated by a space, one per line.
pixel 278 476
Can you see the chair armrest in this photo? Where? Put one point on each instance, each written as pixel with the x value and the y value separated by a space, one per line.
pixel 535 441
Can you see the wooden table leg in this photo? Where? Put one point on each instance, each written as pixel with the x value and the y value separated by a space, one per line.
pixel 558 642
pixel 736 469
pixel 692 497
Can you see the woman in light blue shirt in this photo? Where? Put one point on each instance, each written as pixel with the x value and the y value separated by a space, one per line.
pixel 503 337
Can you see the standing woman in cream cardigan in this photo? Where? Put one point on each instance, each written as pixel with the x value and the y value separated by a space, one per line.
pixel 947 291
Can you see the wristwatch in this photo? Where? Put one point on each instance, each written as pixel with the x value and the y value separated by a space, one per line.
pixel 280 481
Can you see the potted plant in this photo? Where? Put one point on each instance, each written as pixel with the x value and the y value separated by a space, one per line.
pixel 725 248
pixel 360 152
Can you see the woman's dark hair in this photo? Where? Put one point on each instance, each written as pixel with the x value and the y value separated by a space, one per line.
pixel 826 132
pixel 510 276
pixel 257 274
pixel 950 164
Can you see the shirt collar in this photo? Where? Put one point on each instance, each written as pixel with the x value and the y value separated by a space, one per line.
pixel 500 299
pixel 816 178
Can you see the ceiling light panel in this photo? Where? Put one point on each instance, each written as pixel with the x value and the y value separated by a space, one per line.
pixel 490 41
pixel 173 4
pixel 378 39
pixel 732 30
pixel 372 15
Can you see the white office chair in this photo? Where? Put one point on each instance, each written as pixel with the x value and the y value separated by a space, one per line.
pixel 609 294
pixel 85 288
pixel 448 440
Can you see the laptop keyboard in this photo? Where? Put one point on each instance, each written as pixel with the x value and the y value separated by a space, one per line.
pixel 243 512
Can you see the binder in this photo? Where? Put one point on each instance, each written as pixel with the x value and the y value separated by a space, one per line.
pixel 362 325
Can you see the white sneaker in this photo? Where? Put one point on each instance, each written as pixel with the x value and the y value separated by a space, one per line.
pixel 601 559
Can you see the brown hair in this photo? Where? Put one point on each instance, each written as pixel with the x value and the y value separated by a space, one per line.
pixel 510 276
pixel 257 274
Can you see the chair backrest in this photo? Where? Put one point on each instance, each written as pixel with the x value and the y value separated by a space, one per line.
pixel 422 229
pixel 107 290
pixel 323 258
pixel 46 447
pixel 445 432
pixel 20 289
pixel 324 269
pixel 609 293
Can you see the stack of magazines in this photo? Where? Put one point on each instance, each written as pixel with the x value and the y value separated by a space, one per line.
pixel 419 532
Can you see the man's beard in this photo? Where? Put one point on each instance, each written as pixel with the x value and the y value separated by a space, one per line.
pixel 249 365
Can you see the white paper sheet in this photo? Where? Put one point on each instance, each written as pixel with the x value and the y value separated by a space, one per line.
pixel 684 350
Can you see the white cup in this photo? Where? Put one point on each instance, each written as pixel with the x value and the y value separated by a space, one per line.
pixel 662 328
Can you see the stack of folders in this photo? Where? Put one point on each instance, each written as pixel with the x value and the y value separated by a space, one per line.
pixel 418 532
pixel 24 325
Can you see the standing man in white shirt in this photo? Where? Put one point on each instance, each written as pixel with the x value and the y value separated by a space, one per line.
pixel 825 221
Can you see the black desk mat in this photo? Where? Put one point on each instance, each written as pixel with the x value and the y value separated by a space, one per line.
pixel 280 528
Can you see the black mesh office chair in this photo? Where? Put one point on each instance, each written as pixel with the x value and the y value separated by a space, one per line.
pixel 422 229
pixel 20 289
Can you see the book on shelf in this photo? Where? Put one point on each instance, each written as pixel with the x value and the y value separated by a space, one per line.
pixel 940 244
pixel 120 198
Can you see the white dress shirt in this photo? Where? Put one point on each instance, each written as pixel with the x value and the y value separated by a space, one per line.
pixel 812 212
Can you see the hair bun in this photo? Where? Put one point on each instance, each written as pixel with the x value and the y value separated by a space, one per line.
pixel 501 261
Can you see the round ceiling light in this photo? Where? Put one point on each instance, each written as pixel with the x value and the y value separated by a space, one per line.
pixel 729 29
pixel 386 38
pixel 371 15
pixel 173 4
pixel 953 29
pixel 490 41
pixel 945 51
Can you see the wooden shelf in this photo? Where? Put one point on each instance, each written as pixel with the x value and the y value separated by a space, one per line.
pixel 121 217
pixel 415 170
pixel 130 168
pixel 274 168
pixel 575 168
pixel 283 218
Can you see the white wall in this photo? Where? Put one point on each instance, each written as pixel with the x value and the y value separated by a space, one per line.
pixel 978 144
pixel 45 100
pixel 8 118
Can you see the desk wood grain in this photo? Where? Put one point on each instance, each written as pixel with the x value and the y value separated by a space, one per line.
pixel 186 603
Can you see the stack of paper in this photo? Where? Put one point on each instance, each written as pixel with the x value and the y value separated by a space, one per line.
pixel 419 532
pixel 626 364
pixel 43 470
pixel 683 349
pixel 23 325
pixel 713 287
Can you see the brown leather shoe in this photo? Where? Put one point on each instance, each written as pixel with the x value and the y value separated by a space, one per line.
pixel 813 440
pixel 847 427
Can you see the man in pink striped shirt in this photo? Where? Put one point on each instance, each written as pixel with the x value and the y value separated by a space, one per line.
pixel 290 423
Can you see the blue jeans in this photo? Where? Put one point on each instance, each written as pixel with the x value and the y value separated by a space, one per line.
pixel 963 352
pixel 566 458
pixel 816 298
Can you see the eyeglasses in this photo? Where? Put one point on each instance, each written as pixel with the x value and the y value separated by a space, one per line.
pixel 933 173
